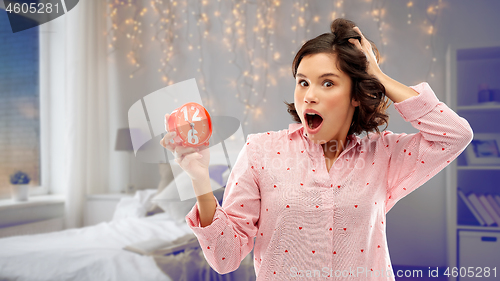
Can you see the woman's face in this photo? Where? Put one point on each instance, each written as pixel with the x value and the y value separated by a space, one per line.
pixel 323 89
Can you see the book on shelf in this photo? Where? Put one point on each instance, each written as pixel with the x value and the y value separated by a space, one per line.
pixel 493 203
pixel 161 247
pixel 471 207
pixel 489 208
pixel 474 199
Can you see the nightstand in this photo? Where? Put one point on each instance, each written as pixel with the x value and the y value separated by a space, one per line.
pixel 101 207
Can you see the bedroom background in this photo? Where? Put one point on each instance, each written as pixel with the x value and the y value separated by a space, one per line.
pixel 102 57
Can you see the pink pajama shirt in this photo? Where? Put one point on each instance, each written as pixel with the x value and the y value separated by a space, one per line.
pixel 322 224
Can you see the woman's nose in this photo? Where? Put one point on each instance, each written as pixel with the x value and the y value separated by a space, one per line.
pixel 310 96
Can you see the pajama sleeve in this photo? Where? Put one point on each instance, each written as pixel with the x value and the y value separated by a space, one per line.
pixel 415 158
pixel 229 238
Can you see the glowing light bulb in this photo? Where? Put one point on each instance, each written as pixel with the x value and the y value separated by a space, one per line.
pixel 430 30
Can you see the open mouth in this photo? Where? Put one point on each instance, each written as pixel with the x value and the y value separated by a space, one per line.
pixel 313 120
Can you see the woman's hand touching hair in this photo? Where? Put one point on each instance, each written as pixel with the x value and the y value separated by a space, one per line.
pixel 364 46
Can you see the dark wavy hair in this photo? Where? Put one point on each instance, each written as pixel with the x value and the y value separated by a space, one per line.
pixel 366 89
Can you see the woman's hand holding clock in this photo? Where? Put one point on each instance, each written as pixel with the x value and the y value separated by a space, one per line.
pixel 193 160
pixel 190 148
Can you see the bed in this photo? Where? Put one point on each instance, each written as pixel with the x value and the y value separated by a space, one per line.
pixel 96 252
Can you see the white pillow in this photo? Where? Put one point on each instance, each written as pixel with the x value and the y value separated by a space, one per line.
pixel 134 207
pixel 169 200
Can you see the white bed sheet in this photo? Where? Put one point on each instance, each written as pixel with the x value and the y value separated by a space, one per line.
pixel 89 253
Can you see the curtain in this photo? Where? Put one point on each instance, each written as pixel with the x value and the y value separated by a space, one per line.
pixel 87 131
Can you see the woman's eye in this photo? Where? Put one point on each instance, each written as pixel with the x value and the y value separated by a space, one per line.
pixel 328 83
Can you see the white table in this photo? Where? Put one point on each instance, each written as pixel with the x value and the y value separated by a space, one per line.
pixel 101 207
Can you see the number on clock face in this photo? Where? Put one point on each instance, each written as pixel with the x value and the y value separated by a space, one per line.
pixel 192 137
pixel 192 123
pixel 192 133
pixel 195 115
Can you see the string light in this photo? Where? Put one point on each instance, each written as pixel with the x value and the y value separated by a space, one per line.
pixel 432 15
pixel 378 14
pixel 131 28
pixel 242 32
pixel 410 6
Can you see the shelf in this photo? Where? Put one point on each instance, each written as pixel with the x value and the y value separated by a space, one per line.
pixel 479 107
pixel 481 228
pixel 478 167
pixel 469 69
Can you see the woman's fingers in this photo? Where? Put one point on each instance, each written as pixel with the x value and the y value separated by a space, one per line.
pixel 184 162
pixel 178 150
pixel 356 43
pixel 183 154
pixel 363 39
pixel 358 30
pixel 365 45
pixel 168 142
pixel 182 151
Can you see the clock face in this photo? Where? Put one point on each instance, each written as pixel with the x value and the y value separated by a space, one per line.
pixel 193 124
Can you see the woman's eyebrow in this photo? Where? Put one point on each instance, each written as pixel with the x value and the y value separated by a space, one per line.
pixel 323 75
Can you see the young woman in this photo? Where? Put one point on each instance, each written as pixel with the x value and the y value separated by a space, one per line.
pixel 315 196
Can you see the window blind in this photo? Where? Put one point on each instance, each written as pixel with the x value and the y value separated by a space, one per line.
pixel 19 104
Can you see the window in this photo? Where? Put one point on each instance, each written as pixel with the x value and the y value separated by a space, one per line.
pixel 19 104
